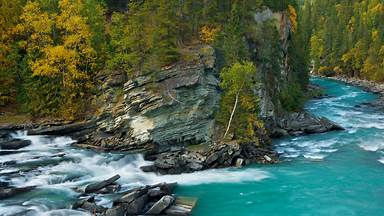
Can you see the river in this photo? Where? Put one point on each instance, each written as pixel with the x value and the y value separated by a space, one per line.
pixel 337 173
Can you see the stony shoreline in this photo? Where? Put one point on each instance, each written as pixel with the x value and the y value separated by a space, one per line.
pixel 367 85
pixel 158 199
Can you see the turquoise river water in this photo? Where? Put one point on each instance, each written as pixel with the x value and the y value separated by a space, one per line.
pixel 337 173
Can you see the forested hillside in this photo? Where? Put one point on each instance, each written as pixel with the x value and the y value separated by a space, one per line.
pixel 345 37
pixel 52 52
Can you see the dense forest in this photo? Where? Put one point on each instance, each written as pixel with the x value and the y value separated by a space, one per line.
pixel 345 37
pixel 53 51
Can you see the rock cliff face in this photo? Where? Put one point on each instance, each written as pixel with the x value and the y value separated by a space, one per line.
pixel 273 79
pixel 173 108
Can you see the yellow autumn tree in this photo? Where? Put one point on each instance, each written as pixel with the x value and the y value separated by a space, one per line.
pixel 35 28
pixel 293 17
pixel 208 34
pixel 9 16
pixel 60 56
pixel 73 59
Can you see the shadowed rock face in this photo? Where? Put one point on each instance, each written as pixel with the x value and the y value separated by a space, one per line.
pixel 174 107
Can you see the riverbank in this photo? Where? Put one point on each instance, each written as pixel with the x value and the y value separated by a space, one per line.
pixel 366 85
pixel 369 86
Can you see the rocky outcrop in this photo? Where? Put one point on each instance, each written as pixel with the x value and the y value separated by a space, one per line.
pixel 217 156
pixel 147 200
pixel 171 108
pixel 303 123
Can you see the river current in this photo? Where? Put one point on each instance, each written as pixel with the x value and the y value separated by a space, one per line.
pixel 336 173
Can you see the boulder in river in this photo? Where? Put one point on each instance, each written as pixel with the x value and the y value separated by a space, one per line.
pixel 8 192
pixel 94 187
pixel 302 123
pixel 15 144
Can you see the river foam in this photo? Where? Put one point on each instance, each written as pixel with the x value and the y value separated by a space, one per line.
pixel 381 160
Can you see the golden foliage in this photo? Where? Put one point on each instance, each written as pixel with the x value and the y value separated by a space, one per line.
pixel 293 17
pixel 208 34
pixel 59 48
pixel 9 16
pixel 36 26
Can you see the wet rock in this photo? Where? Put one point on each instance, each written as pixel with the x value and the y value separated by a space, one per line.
pixel 278 133
pixel 182 206
pixel 148 200
pixel 136 206
pixel 15 144
pixel 116 211
pixel 218 156
pixel 212 158
pixel 89 205
pixel 267 158
pixel 13 191
pixel 78 204
pixel 156 193
pixel 138 200
pixel 61 130
pixel 148 168
pixel 4 135
pixel 8 163
pixel 109 189
pixel 41 162
pixel 91 188
pixel 8 152
pixel 302 123
pixel 92 207
pixel 4 184
pixel 178 211
pixel 239 162
pixel 128 198
pixel 160 205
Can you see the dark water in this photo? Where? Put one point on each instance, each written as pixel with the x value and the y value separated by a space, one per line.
pixel 338 173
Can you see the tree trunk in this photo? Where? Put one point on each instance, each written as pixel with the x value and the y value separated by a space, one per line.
pixel 232 114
